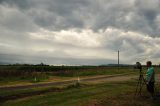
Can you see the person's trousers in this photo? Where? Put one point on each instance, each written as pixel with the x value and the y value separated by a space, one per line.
pixel 150 87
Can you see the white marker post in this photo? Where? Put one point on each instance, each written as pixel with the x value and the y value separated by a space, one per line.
pixel 78 79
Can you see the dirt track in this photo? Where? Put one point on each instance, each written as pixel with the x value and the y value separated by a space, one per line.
pixel 96 79
pixel 122 77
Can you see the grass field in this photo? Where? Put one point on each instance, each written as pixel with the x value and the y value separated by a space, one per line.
pixel 21 75
pixel 106 94
pixel 118 93
pixel 16 75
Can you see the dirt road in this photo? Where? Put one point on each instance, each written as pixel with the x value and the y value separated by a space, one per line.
pixel 121 77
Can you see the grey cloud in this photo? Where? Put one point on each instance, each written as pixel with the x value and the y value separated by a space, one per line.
pixel 62 14
pixel 149 10
pixel 54 15
pixel 15 20
pixel 19 18
pixel 23 4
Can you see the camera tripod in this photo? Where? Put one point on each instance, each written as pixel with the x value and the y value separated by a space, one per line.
pixel 141 82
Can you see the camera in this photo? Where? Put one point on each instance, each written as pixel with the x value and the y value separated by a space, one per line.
pixel 138 65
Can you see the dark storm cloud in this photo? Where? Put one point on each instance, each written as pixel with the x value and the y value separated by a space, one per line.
pixel 148 11
pixel 135 15
pixel 52 14
pixel 20 3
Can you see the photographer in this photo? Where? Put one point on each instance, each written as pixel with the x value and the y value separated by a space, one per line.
pixel 150 78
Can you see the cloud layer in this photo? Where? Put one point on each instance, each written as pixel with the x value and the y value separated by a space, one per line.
pixel 79 31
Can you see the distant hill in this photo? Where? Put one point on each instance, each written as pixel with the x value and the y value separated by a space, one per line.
pixel 116 65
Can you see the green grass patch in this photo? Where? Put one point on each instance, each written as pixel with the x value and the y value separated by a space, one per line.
pixel 107 71
pixel 121 93
pixel 41 90
pixel 22 79
pixel 34 77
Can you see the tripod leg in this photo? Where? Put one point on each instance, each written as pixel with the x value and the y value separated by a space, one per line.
pixel 143 81
pixel 141 84
pixel 137 88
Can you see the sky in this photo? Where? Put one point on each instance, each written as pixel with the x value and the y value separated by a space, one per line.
pixel 79 32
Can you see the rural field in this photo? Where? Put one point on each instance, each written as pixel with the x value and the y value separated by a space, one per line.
pixel 72 86
pixel 79 53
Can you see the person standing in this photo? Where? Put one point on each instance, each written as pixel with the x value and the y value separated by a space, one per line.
pixel 150 78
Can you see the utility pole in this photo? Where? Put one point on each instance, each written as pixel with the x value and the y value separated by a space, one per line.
pixel 118 59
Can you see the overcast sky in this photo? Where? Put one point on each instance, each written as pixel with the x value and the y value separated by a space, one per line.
pixel 79 32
